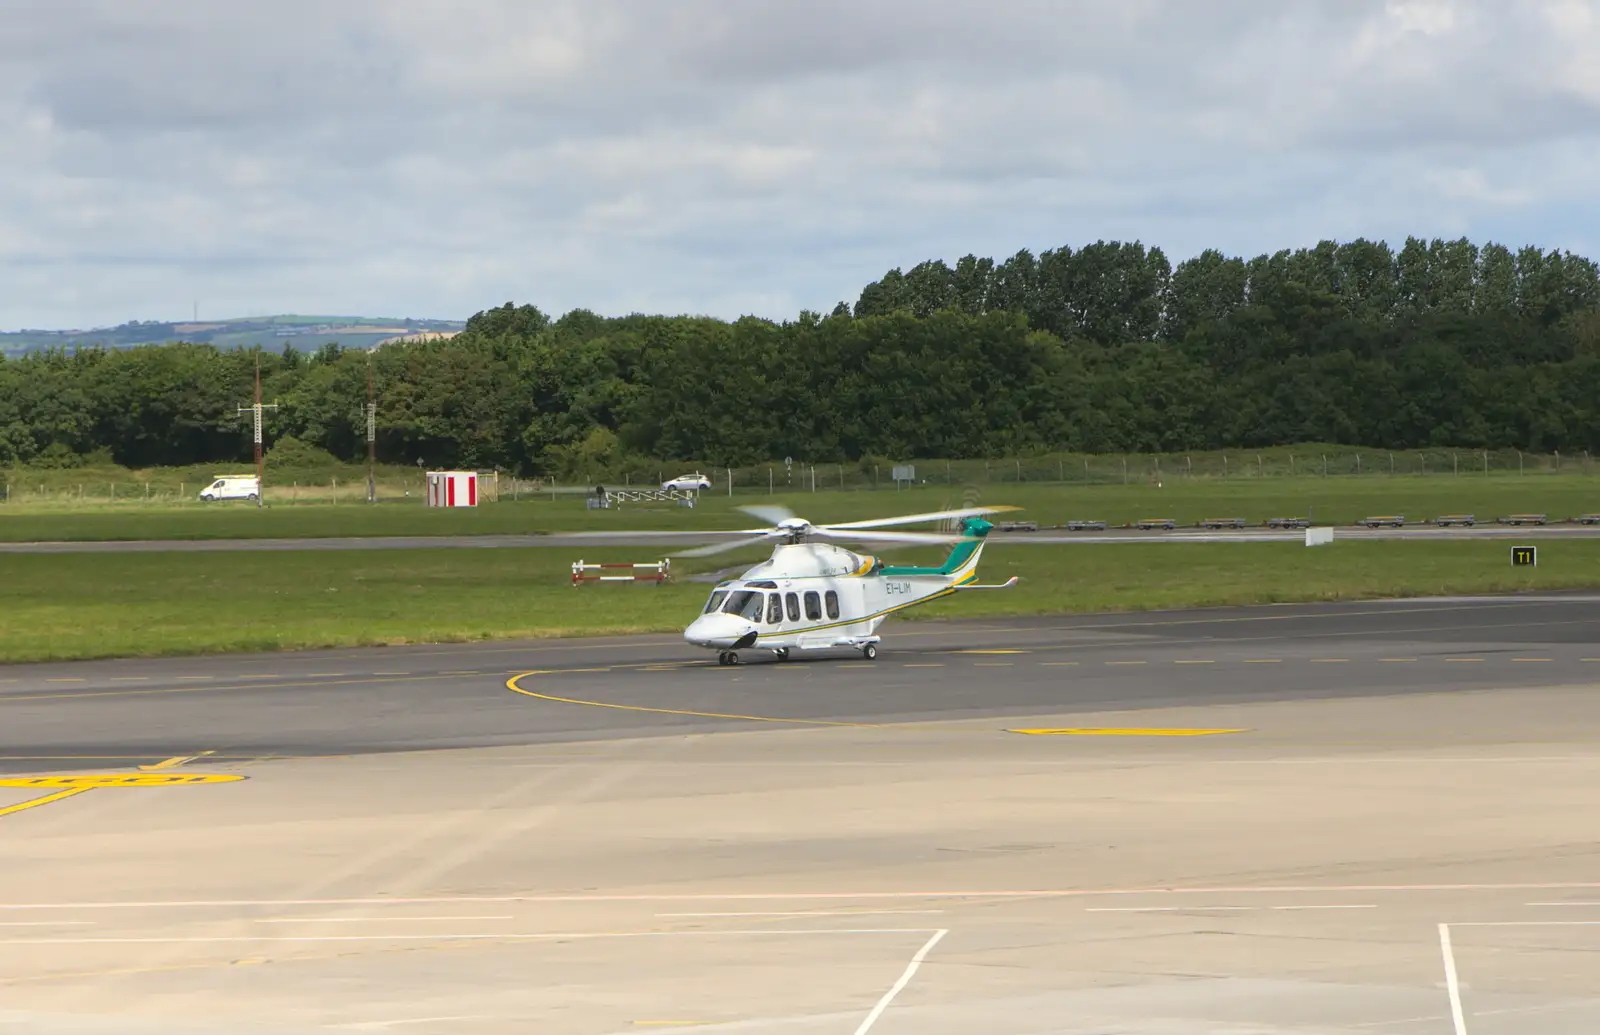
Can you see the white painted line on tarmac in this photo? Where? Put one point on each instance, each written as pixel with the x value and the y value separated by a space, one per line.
pixel 1451 981
pixel 1172 909
pixel 899 986
pixel 458 936
pixel 1560 905
pixel 820 896
pixel 803 912
pixel 368 919
pixel 361 1025
pixel 47 923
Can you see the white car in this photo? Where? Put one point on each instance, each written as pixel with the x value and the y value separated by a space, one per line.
pixel 232 487
pixel 687 482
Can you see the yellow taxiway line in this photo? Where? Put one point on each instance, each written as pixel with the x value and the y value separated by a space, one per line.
pixel 45 800
pixel 512 685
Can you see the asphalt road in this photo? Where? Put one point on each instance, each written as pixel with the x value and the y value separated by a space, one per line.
pixel 127 712
pixel 683 540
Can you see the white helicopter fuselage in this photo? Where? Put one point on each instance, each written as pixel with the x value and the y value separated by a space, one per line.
pixel 811 595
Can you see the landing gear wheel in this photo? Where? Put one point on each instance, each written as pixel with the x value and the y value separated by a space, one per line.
pixel 781 653
pixel 870 651
pixel 727 657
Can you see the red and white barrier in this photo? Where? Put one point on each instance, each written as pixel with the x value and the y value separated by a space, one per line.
pixel 649 571
pixel 452 488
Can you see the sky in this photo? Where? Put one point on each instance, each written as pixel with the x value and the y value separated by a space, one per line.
pixel 730 157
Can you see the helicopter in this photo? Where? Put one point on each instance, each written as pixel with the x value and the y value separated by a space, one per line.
pixel 812 595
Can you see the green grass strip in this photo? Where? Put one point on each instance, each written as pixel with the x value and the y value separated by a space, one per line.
pixel 84 606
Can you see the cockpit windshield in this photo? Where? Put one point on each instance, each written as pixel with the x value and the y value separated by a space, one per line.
pixel 745 604
pixel 717 597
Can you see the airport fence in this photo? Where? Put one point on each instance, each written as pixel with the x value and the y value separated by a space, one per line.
pixel 103 485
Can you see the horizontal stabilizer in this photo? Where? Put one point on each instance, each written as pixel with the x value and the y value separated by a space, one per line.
pixel 1007 584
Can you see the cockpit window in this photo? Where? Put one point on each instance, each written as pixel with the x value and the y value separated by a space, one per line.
pixel 717 597
pixel 745 604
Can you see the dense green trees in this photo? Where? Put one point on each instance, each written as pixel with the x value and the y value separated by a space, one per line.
pixel 1103 348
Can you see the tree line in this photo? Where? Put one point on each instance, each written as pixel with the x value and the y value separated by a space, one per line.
pixel 1107 348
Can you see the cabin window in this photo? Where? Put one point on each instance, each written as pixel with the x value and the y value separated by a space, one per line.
pixel 833 604
pixel 792 602
pixel 717 597
pixel 745 604
pixel 774 608
pixel 813 606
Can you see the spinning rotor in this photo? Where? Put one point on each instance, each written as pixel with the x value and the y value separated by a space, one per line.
pixel 788 529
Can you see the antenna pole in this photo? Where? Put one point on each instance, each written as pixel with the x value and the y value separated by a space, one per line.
pixel 255 413
pixel 372 437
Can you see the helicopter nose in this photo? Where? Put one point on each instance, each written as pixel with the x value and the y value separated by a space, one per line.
pixel 717 630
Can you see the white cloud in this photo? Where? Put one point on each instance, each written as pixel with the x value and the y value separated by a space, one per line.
pixel 407 157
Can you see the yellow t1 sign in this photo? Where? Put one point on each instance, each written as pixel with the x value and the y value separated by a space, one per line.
pixel 1524 556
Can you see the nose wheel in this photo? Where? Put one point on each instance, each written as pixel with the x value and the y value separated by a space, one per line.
pixel 727 657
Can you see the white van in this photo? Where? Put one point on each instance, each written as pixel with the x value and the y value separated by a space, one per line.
pixel 232 487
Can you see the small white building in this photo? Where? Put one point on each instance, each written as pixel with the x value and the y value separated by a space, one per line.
pixel 452 488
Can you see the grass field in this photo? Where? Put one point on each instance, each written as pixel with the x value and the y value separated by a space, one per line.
pixel 80 606
pixel 1337 500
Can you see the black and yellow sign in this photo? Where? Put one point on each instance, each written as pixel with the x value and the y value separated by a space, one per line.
pixel 1524 556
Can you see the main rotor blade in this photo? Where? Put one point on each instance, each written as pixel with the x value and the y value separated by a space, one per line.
pixel 912 519
pixel 860 536
pixel 715 548
pixel 773 514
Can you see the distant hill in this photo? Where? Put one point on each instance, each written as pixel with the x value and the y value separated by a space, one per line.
pixel 274 332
